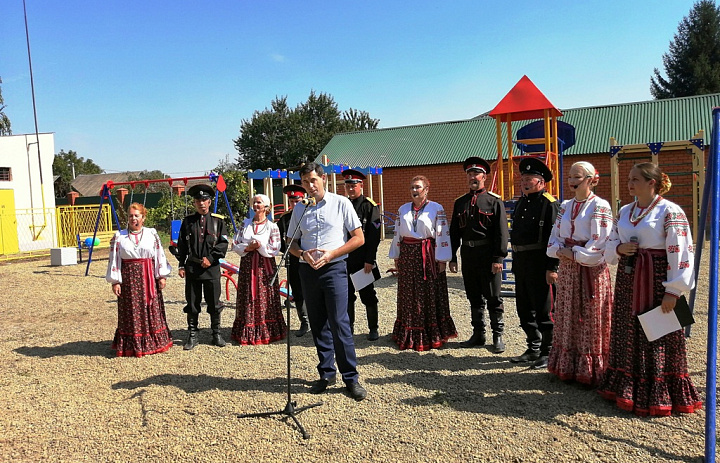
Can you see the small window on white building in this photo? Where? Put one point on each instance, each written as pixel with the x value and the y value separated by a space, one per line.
pixel 5 174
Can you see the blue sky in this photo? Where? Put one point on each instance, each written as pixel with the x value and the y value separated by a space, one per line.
pixel 160 84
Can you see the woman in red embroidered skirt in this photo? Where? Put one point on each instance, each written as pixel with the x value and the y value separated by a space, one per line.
pixel 258 313
pixel 581 337
pixel 421 249
pixel 652 245
pixel 137 269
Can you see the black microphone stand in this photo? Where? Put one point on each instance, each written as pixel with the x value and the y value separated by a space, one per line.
pixel 289 410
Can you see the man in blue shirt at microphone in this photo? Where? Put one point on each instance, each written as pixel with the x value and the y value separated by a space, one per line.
pixel 329 229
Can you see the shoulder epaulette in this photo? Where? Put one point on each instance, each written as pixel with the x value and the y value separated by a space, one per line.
pixel 493 194
pixel 459 196
pixel 371 201
pixel 549 197
pixel 218 216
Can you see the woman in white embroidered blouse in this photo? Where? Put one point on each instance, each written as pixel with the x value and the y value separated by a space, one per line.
pixel 421 249
pixel 258 313
pixel 137 269
pixel 581 336
pixel 652 245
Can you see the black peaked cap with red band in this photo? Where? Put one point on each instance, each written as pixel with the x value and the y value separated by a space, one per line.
pixel 476 163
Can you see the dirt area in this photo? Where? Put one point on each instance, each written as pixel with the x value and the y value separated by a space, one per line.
pixel 67 398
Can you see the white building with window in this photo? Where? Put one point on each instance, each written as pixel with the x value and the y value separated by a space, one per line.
pixel 27 196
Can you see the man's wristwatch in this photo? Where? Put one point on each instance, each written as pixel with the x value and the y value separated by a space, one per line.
pixel 302 251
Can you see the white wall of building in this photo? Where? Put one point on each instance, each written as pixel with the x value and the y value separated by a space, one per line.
pixel 36 229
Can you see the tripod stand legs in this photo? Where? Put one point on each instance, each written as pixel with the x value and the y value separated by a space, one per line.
pixel 288 411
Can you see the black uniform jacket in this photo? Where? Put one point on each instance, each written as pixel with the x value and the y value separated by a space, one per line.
pixel 484 220
pixel 369 214
pixel 282 224
pixel 526 223
pixel 196 242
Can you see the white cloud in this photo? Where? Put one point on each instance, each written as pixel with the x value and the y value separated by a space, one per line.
pixel 278 58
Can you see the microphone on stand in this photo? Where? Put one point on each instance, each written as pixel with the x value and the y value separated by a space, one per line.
pixel 308 201
pixel 631 261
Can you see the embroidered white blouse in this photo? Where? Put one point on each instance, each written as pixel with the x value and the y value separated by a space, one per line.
pixel 666 227
pixel 267 234
pixel 590 221
pixel 430 223
pixel 144 245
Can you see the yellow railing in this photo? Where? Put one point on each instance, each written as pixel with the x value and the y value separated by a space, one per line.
pixel 72 220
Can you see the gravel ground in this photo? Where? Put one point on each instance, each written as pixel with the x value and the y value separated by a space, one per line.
pixel 67 398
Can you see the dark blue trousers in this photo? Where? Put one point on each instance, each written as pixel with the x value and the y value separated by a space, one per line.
pixel 326 294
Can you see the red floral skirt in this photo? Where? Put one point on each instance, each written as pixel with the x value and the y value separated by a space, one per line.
pixel 259 319
pixel 142 329
pixel 581 336
pixel 647 378
pixel 423 307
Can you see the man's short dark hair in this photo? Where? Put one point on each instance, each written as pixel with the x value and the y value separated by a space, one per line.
pixel 310 167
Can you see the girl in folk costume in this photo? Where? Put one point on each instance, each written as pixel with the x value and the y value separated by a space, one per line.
pixel 421 249
pixel 258 314
pixel 137 269
pixel 581 338
pixel 652 245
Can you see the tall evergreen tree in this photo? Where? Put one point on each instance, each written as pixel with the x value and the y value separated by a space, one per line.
pixel 692 63
pixel 4 120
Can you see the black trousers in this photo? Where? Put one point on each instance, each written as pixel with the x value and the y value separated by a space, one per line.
pixel 534 298
pixel 482 287
pixel 296 287
pixel 194 291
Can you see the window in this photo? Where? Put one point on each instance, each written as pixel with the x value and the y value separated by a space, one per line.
pixel 5 174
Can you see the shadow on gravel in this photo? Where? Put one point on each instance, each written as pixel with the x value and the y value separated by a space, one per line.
pixel 203 383
pixel 82 348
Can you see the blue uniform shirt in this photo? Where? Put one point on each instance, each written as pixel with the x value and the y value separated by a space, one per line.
pixel 326 224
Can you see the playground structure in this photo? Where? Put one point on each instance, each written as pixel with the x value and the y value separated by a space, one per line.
pixel 651 152
pixel 175 226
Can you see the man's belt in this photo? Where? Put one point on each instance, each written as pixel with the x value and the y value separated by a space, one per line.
pixel 194 260
pixel 475 243
pixel 528 247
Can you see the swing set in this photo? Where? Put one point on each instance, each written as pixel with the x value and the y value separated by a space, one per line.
pixel 105 195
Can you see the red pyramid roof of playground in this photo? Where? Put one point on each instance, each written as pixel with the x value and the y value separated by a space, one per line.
pixel 524 101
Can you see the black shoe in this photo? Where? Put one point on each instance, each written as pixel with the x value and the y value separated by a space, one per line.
pixel 541 363
pixel 477 339
pixel 356 391
pixel 217 340
pixel 319 386
pixel 498 344
pixel 527 356
pixel 304 328
pixel 373 336
pixel 191 342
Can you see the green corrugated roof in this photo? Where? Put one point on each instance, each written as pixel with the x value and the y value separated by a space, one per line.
pixel 449 142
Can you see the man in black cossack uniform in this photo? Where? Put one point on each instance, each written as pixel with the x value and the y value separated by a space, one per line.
pixel 363 258
pixel 295 194
pixel 202 243
pixel 533 219
pixel 479 228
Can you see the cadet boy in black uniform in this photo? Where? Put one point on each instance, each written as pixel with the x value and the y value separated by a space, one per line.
pixel 533 219
pixel 295 194
pixel 480 223
pixel 202 243
pixel 363 258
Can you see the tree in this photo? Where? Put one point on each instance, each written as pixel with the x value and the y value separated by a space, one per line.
pixel 4 120
pixel 63 164
pixel 282 138
pixel 692 63
pixel 149 175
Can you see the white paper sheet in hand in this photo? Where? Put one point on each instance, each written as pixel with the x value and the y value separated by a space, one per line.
pixel 657 323
pixel 360 279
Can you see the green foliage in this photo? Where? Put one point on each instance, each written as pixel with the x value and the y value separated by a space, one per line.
pixel 284 138
pixel 63 166
pixel 149 175
pixel 692 63
pixel 4 120
pixel 169 208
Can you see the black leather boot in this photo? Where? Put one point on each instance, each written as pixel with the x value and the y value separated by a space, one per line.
pixel 478 323
pixel 351 315
pixel 372 318
pixel 192 320
pixel 498 344
pixel 304 325
pixel 498 326
pixel 217 340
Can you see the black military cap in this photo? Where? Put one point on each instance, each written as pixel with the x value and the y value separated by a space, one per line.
pixel 201 191
pixel 294 191
pixel 535 166
pixel 476 163
pixel 353 176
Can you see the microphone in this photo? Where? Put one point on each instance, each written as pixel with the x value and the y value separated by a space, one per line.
pixel 306 201
pixel 631 261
